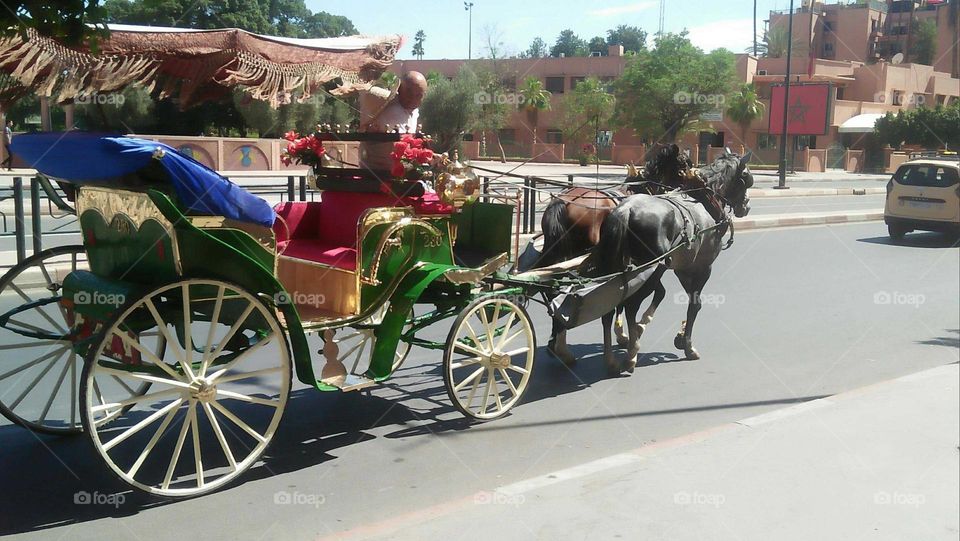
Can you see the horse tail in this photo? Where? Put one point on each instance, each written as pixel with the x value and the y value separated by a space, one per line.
pixel 610 255
pixel 556 245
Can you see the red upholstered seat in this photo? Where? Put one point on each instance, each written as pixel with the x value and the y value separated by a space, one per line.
pixel 321 252
pixel 326 232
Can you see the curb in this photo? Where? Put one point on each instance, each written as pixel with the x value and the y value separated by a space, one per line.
pixel 809 192
pixel 789 220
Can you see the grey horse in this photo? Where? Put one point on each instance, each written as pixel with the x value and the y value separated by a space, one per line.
pixel 688 228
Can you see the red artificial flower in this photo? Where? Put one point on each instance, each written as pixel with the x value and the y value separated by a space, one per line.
pixel 291 135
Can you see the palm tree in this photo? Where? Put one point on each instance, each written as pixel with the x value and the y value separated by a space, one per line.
pixel 745 107
pixel 774 44
pixel 535 99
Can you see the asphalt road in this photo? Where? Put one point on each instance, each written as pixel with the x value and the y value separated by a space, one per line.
pixel 825 203
pixel 790 315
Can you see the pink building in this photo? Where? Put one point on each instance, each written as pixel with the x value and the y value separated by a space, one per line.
pixel 851 46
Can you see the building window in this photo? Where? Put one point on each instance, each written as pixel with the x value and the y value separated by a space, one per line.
pixel 806 141
pixel 898 97
pixel 840 92
pixel 765 141
pixel 574 81
pixel 509 83
pixel 828 47
pixel 555 85
pixel 828 26
pixel 508 136
pixel 554 137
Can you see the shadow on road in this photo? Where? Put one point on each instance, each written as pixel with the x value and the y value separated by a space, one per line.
pixel 917 240
pixel 945 341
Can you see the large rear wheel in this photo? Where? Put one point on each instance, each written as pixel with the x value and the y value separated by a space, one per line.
pixel 39 369
pixel 215 402
pixel 489 358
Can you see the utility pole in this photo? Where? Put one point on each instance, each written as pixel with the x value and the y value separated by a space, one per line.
pixel 786 103
pixel 663 9
pixel 468 6
pixel 755 28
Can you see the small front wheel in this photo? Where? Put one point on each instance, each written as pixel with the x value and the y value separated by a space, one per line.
pixel 489 357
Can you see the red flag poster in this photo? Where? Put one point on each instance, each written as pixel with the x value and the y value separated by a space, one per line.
pixel 808 112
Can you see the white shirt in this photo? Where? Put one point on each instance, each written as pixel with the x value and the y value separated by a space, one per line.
pixel 377 155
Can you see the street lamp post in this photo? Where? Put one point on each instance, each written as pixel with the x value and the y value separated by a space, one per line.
pixel 468 6
pixel 782 184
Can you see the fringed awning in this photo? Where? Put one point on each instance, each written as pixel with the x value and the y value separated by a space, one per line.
pixel 192 65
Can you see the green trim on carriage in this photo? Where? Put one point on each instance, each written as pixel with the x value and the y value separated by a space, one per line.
pixel 123 251
pixel 218 259
pixel 391 328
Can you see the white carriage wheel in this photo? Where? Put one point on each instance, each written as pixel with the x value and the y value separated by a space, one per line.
pixel 355 345
pixel 225 385
pixel 489 357
pixel 39 377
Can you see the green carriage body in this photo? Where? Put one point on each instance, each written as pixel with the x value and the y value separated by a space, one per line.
pixel 138 240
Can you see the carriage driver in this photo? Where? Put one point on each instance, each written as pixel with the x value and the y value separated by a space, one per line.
pixel 382 110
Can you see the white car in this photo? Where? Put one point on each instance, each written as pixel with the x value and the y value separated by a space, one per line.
pixel 924 194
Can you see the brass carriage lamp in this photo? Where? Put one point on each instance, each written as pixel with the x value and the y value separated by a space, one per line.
pixel 458 185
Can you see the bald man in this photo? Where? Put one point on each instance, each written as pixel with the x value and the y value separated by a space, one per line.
pixel 379 113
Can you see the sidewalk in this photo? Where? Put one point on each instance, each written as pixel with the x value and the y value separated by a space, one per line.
pixel 875 463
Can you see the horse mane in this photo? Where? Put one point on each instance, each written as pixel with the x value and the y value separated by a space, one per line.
pixel 721 170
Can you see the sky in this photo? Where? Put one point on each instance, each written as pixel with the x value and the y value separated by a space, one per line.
pixel 712 24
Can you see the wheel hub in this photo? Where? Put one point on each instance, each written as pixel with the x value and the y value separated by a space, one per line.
pixel 499 360
pixel 203 390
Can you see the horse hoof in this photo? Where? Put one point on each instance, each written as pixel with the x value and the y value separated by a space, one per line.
pixel 613 368
pixel 692 354
pixel 679 342
pixel 631 365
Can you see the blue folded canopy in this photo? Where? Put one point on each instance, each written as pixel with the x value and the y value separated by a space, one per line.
pixel 88 158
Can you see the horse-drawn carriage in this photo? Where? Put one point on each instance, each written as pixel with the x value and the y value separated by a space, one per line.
pixel 171 335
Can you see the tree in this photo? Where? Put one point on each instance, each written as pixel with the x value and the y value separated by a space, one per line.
pixel 537 49
pixel 924 46
pixel 662 92
pixel 931 128
pixel 633 39
pixel 132 110
pixel 586 109
pixel 774 44
pixel 744 107
pixel 418 44
pixel 450 108
pixel 72 22
pixel 493 112
pixel 536 98
pixel 569 44
pixel 598 45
